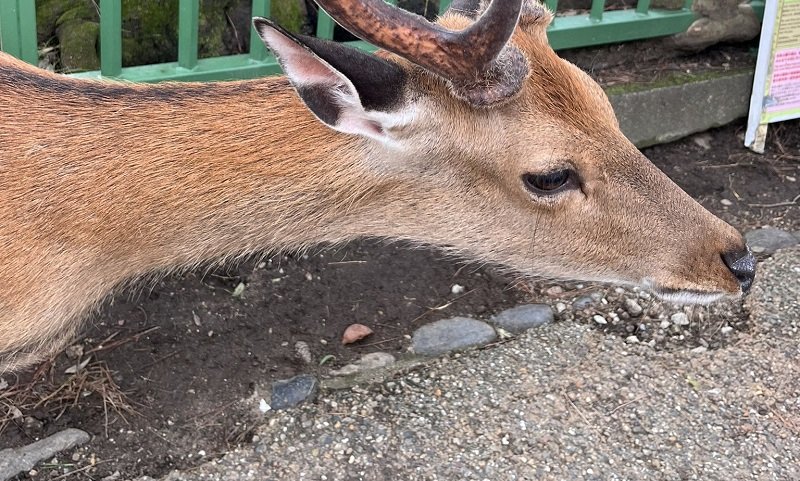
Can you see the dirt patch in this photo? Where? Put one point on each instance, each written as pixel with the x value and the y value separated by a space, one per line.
pixel 185 351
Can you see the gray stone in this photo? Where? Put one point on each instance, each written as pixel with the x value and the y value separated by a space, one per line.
pixel 17 460
pixel 718 21
pixel 291 392
pixel 522 318
pixel 769 239
pixel 373 360
pixel 583 302
pixel 685 106
pixel 633 307
pixel 679 319
pixel 450 335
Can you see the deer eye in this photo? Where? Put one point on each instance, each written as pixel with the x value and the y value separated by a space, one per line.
pixel 547 184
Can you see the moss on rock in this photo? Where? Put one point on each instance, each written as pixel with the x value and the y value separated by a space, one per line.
pixel 150 29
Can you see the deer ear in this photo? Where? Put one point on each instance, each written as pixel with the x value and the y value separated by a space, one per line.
pixel 347 89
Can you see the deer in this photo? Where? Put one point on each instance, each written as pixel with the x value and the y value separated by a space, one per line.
pixel 468 133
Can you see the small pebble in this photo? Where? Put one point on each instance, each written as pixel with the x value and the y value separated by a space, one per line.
pixel 633 307
pixel 521 318
pixel 725 202
pixel 632 340
pixel 291 392
pixel 303 351
pixel 726 329
pixel 599 319
pixel 583 302
pixel 680 319
pixel 457 289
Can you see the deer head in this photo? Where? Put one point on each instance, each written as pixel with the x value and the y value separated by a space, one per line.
pixel 505 152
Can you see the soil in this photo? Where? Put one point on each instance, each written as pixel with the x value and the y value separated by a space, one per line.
pixel 187 350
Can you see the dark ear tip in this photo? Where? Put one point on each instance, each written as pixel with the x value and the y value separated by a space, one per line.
pixel 261 23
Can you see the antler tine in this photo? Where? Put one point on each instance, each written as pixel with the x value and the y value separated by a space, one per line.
pixel 460 56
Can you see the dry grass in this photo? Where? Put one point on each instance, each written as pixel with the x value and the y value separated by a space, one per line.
pixel 55 392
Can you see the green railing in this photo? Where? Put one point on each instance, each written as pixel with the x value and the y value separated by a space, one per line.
pixel 18 37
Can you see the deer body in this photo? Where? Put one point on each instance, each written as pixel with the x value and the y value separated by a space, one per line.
pixel 102 183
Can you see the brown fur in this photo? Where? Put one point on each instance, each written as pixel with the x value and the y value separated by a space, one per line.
pixel 107 182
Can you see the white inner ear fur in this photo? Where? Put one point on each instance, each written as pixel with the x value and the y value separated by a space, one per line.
pixel 304 68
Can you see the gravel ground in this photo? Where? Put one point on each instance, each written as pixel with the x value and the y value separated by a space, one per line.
pixel 565 401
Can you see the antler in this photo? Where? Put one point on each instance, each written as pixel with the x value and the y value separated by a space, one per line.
pixel 463 57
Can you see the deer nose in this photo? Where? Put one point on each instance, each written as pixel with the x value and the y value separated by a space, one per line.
pixel 742 264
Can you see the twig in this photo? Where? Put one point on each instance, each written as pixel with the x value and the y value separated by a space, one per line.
pixel 443 306
pixel 720 166
pixel 79 470
pixel 379 342
pixel 778 204
pixel 624 404
pixel 134 338
pixel 580 413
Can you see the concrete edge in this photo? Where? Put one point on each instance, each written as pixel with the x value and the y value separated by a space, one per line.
pixel 667 110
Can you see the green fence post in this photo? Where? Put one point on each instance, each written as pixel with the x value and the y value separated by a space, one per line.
pixel 110 38
pixel 261 8
pixel 596 13
pixel 643 6
pixel 26 12
pixel 325 25
pixel 188 20
pixel 18 29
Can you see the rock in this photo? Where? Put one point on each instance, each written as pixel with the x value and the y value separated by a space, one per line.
pixel 633 307
pixel 718 21
pixel 726 330
pixel 16 460
pixel 355 332
pixel 632 340
pixel 664 324
pixel 699 350
pixel 554 291
pixel 522 318
pixel 373 360
pixel 450 335
pixel 769 239
pixel 583 302
pixel 599 319
pixel 679 319
pixel 457 289
pixel 303 351
pixel 291 392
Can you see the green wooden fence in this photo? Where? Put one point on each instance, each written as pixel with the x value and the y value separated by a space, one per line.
pixel 18 37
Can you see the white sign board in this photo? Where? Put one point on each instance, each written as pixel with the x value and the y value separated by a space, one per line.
pixel 776 88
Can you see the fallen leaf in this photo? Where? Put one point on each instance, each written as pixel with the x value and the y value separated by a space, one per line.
pixel 75 368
